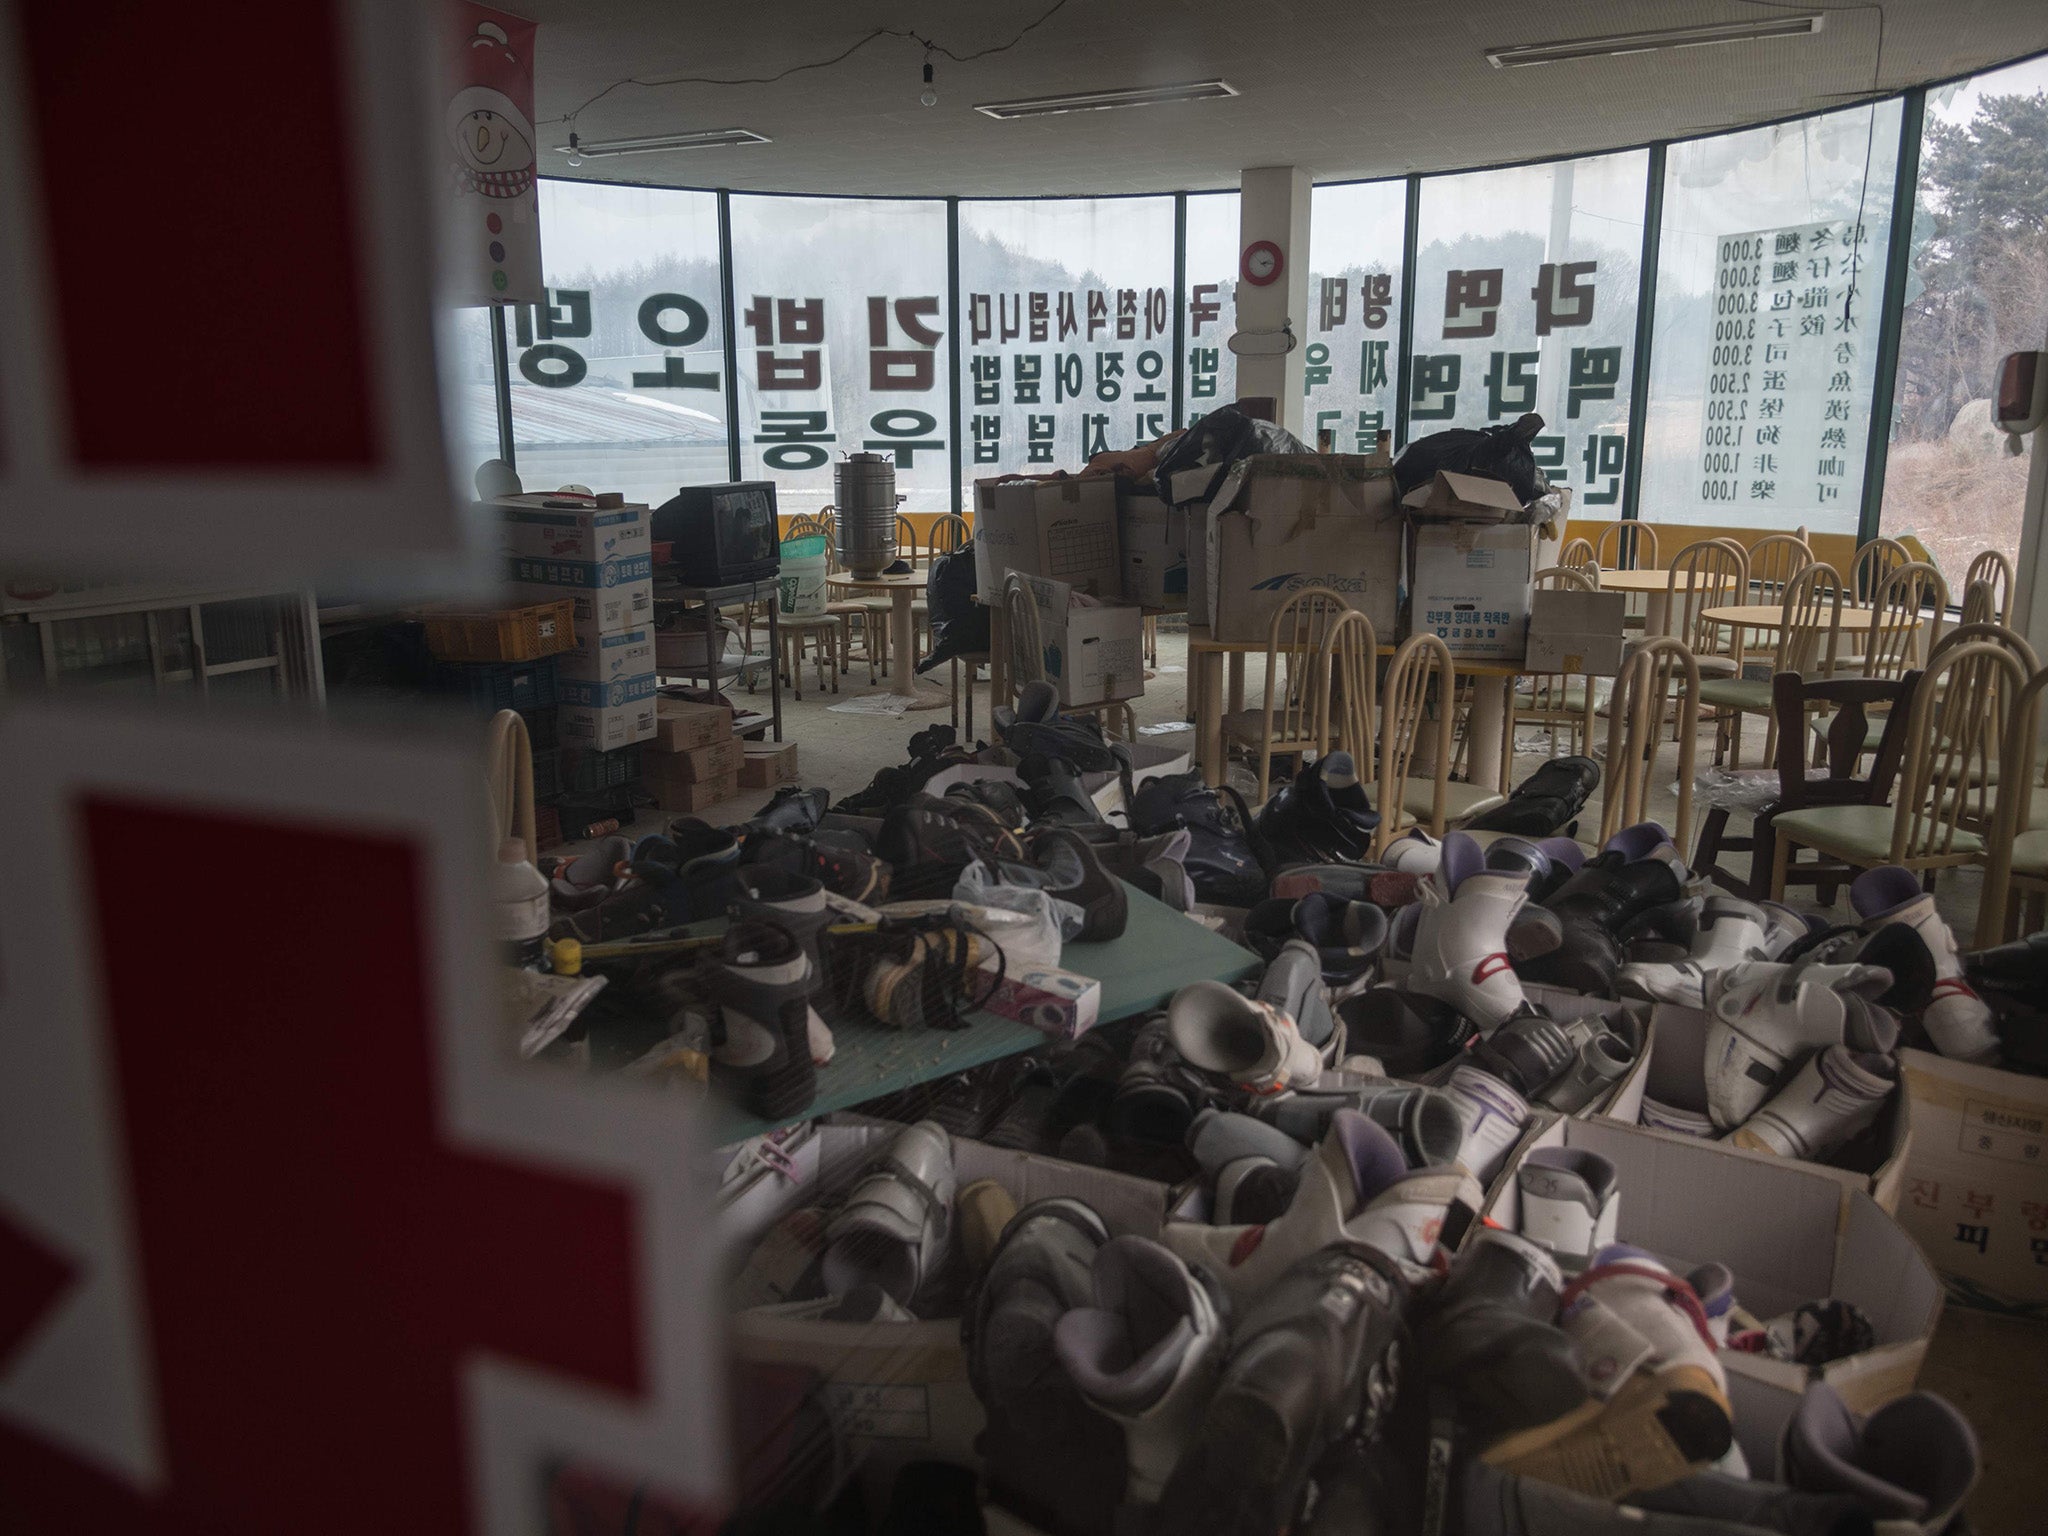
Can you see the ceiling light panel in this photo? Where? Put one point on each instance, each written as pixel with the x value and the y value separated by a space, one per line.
pixel 1102 101
pixel 1764 29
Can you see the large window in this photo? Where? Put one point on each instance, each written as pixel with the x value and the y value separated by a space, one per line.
pixel 840 313
pixel 1356 231
pixel 1210 376
pixel 1978 289
pixel 1770 281
pixel 469 390
pixel 1068 310
pixel 1525 300
pixel 618 382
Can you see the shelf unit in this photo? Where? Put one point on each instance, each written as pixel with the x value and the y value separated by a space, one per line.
pixel 158 641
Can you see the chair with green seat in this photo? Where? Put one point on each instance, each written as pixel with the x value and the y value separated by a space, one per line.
pixel 2015 898
pixel 1436 803
pixel 1983 770
pixel 1809 623
pixel 1661 672
pixel 1953 710
pixel 1796 699
pixel 1774 560
pixel 1562 698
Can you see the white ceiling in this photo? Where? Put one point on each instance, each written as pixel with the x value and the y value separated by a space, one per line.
pixel 1348 88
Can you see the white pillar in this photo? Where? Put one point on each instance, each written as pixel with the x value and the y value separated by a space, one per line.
pixel 1274 208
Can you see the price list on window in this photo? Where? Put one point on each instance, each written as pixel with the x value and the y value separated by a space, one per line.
pixel 1785 385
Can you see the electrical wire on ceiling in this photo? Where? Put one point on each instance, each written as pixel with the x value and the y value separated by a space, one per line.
pixel 1870 133
pixel 930 47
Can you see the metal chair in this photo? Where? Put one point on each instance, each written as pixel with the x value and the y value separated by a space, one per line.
pixel 1351 656
pixel 1709 573
pixel 2017 864
pixel 1774 560
pixel 1901 596
pixel 1635 727
pixel 1289 722
pixel 1404 717
pixel 1809 626
pixel 1874 561
pixel 848 610
pixel 1994 569
pixel 1577 555
pixel 1952 710
pixel 1626 546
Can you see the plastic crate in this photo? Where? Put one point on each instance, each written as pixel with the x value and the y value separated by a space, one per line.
pixel 543 733
pixel 526 686
pixel 588 772
pixel 504 634
pixel 547 827
pixel 547 775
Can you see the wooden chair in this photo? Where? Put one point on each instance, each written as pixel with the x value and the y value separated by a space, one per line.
pixel 1350 704
pixel 1626 546
pixel 1984 769
pixel 1420 661
pixel 2017 864
pixel 1952 709
pixel 1795 700
pixel 508 782
pixel 1992 568
pixel 1635 727
pixel 1980 604
pixel 1891 643
pixel 1578 556
pixel 1719 577
pixel 1875 561
pixel 1290 721
pixel 1557 700
pixel 819 634
pixel 1774 560
pixel 1027 660
pixel 849 611
pixel 1810 622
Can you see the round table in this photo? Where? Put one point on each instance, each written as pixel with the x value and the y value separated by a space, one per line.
pixel 1772 615
pixel 1652 584
pixel 903 589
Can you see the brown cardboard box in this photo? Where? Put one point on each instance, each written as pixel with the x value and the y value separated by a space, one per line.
pixel 1452 497
pixel 674 795
pixel 1573 631
pixel 1061 529
pixel 1092 655
pixel 699 765
pixel 680 725
pixel 764 764
pixel 1790 1234
pixel 1284 521
pixel 1471 586
pixel 1975 1196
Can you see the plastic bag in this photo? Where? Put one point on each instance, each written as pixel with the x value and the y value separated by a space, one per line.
pixel 1502 453
pixel 959 623
pixel 1749 790
pixel 1223 436
pixel 1029 926
pixel 800 588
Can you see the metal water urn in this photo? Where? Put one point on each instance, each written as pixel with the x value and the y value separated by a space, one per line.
pixel 864 498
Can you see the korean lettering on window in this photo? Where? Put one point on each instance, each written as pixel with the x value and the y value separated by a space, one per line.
pixel 669 348
pixel 1063 374
pixel 1785 391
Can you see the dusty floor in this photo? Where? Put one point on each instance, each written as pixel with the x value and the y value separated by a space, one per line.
pixel 1991 1367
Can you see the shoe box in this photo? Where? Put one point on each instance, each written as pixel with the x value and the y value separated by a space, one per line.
pixel 680 724
pixel 765 764
pixel 1152 536
pixel 606 686
pixel 1064 529
pixel 1974 1193
pixel 1790 1233
pixel 1106 789
pixel 1092 652
pixel 1875 1161
pixel 1282 522
pixel 899 1391
pixel 599 557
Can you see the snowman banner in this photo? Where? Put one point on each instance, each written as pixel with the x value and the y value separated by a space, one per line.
pixel 494 224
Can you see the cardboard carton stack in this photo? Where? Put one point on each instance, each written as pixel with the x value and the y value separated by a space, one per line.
pixel 1474 552
pixel 1282 522
pixel 694 762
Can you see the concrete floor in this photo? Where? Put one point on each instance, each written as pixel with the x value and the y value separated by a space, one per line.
pixel 1991 1367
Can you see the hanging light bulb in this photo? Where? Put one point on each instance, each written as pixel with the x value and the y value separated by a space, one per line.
pixel 575 156
pixel 929 97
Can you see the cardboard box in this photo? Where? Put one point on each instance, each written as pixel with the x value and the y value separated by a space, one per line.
pixel 1192 492
pixel 899 1391
pixel 765 764
pixel 606 687
pixel 1061 529
pixel 699 765
pixel 1975 1196
pixel 686 795
pixel 1790 1234
pixel 1448 496
pixel 1282 522
pixel 1153 538
pixel 680 724
pixel 1471 587
pixel 599 557
pixel 1578 632
pixel 1092 654
pixel 1874 1162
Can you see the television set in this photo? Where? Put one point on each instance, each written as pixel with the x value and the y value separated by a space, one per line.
pixel 720 534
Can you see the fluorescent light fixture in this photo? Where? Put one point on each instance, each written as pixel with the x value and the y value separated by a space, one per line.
pixel 1521 55
pixel 706 138
pixel 1101 101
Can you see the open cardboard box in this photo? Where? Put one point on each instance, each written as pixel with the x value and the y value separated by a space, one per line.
pixel 1790 1233
pixel 1875 1162
pixel 899 1391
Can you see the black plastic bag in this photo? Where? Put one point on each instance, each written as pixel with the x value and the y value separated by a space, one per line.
pixel 1223 436
pixel 1500 453
pixel 959 623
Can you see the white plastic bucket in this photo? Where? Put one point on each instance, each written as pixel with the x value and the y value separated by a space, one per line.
pixel 801 586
